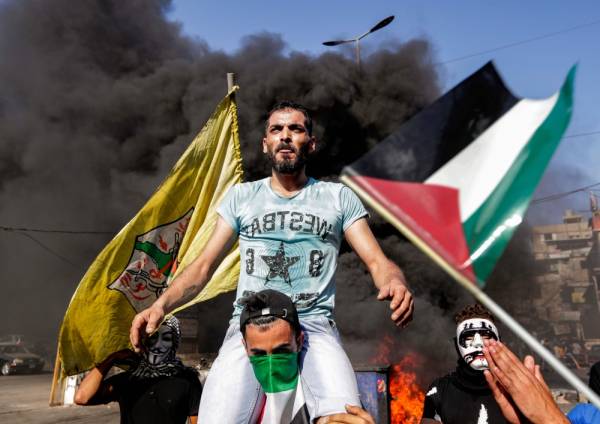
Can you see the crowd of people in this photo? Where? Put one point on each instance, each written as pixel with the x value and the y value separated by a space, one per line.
pixel 490 384
pixel 282 360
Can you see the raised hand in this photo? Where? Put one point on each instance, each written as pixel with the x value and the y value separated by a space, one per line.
pixel 519 388
pixel 144 324
pixel 401 301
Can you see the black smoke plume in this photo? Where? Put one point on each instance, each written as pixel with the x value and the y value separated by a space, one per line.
pixel 99 97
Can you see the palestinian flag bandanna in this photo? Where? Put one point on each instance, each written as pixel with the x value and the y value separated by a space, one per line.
pixel 279 377
pixel 457 178
pixel 286 406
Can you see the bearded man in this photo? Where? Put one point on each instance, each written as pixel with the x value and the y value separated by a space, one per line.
pixel 464 397
pixel 157 388
pixel 290 228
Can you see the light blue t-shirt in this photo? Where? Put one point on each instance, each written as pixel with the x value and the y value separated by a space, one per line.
pixel 291 244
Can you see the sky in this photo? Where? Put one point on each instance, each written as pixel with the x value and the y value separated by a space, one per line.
pixel 534 44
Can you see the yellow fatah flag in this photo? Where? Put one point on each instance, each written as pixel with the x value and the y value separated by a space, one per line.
pixel 163 237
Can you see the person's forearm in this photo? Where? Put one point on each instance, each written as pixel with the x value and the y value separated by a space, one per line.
pixel 185 287
pixel 92 382
pixel 385 271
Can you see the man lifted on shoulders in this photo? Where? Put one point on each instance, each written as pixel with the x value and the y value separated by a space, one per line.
pixel 290 228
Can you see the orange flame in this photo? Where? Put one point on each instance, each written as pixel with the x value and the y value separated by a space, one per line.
pixel 406 405
pixel 407 397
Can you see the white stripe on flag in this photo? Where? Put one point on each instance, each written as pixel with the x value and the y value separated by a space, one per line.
pixel 478 169
pixel 282 407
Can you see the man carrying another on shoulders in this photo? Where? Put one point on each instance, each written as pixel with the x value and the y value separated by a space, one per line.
pixel 274 342
pixel 290 228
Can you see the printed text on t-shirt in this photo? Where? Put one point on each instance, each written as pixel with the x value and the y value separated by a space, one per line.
pixel 295 221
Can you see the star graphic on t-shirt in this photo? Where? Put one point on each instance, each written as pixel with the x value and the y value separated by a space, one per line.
pixel 279 264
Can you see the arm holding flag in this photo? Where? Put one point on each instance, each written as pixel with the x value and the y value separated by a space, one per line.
pixel 187 285
pixel 94 390
pixel 387 276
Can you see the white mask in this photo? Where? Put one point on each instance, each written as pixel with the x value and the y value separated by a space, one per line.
pixel 159 345
pixel 470 335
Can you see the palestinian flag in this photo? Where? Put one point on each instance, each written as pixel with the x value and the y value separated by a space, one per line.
pixel 457 178
pixel 285 404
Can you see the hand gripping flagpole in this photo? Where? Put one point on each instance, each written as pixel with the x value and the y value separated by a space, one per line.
pixel 479 295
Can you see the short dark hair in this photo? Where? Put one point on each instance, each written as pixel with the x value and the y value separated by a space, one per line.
pixel 263 323
pixel 473 311
pixel 288 104
pixel 260 301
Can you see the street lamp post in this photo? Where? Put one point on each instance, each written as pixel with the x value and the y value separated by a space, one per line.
pixel 378 26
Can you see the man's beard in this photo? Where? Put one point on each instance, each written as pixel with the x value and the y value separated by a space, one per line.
pixel 288 166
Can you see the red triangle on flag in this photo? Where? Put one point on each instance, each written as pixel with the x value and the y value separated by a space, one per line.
pixel 431 212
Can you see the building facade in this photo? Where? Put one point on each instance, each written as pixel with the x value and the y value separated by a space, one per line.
pixel 567 258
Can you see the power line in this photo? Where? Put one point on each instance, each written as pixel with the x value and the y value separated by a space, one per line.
pixel 518 43
pixel 47 249
pixel 42 230
pixel 557 196
pixel 581 134
pixel 25 232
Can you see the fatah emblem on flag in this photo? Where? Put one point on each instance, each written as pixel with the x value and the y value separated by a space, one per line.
pixel 457 178
pixel 153 261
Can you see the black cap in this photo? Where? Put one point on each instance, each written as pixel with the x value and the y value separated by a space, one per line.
pixel 269 303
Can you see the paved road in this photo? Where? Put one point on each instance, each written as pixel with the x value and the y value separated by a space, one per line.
pixel 24 400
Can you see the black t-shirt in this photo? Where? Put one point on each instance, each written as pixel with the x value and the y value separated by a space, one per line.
pixel 462 397
pixel 163 400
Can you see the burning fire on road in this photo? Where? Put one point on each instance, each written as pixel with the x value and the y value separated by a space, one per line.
pixel 406 395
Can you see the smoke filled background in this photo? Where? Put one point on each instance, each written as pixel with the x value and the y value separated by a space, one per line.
pixel 98 98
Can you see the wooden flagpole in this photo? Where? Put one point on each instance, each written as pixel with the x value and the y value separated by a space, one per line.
pixel 55 380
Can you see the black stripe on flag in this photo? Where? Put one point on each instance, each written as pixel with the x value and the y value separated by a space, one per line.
pixel 301 416
pixel 440 131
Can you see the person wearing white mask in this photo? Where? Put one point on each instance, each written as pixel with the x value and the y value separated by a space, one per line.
pixel 464 396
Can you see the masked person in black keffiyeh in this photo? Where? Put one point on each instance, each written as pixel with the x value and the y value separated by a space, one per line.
pixel 157 388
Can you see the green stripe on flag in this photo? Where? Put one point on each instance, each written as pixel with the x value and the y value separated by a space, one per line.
pixel 489 229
